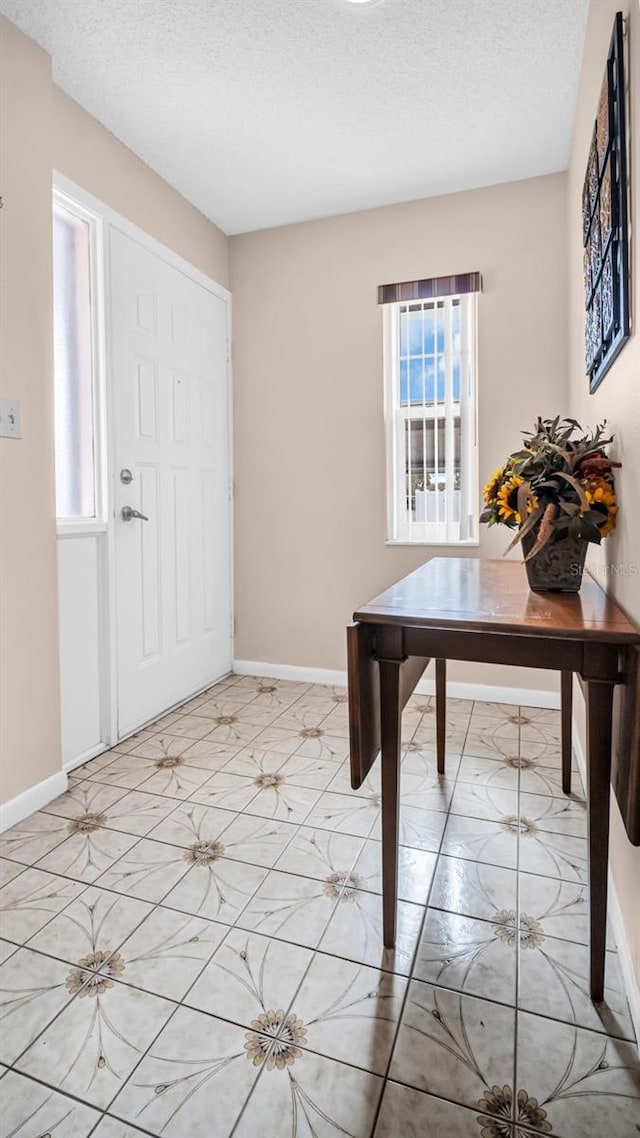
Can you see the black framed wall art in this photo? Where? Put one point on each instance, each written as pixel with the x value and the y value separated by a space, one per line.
pixel 605 222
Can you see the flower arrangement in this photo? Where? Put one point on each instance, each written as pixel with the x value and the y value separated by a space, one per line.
pixel 561 484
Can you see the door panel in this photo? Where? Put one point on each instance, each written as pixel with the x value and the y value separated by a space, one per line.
pixel 171 431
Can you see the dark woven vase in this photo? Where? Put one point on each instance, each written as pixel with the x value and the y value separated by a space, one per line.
pixel 558 568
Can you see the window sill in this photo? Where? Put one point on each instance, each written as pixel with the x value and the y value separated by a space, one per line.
pixel 88 528
pixel 471 544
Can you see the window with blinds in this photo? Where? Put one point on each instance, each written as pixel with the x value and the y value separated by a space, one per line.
pixel 430 381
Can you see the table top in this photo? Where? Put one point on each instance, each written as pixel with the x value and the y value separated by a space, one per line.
pixel 467 593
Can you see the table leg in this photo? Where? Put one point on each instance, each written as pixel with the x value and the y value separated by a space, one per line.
pixel 441 712
pixel 566 704
pixel 599 714
pixel 390 731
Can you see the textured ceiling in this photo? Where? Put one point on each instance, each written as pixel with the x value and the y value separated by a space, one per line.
pixel 263 112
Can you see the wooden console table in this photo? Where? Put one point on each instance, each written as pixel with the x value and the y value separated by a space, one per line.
pixel 471 609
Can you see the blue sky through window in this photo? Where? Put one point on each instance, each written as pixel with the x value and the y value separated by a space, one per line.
pixel 422 360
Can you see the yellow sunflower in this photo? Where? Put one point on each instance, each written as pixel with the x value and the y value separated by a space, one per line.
pixel 507 500
pixel 601 495
pixel 490 491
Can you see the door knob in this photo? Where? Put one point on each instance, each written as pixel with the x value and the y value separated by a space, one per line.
pixel 128 512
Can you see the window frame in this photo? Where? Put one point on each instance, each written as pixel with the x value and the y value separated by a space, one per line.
pixel 402 531
pixel 78 526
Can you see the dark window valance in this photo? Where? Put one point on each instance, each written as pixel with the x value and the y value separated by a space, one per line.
pixel 429 288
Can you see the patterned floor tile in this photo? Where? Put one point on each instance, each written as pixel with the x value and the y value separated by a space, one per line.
pixel 292 908
pixel 220 858
pixel 412 1114
pixel 316 774
pixel 168 951
pixel 91 928
pixel 346 813
pixel 415 871
pixel 562 907
pixel 499 773
pixel 138 812
pixel 324 854
pixel 575 1082
pixel 311 1095
pixel 249 977
pixel 350 1011
pixel 113 1128
pixel 484 801
pixel 257 840
pixel 100 1037
pixel 85 800
pixel 226 791
pixel 89 850
pixel 30 1110
pixel 33 990
pixel 355 931
pixel 554 815
pixel 472 956
pixel 198 1069
pixel 148 872
pixel 554 982
pixel 478 840
pixel 30 901
pixel 215 887
pixel 456 1047
pixel 9 870
pixel 190 824
pixel 552 855
pixel 31 839
pixel 474 888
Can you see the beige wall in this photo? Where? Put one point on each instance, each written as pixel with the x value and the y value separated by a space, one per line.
pixel 41 129
pixel 309 438
pixel 97 161
pixel 618 397
pixel 29 693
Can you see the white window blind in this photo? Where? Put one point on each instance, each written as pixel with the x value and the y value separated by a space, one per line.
pixel 73 366
pixel 430 381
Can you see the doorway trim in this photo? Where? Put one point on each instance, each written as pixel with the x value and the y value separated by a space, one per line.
pixel 104 220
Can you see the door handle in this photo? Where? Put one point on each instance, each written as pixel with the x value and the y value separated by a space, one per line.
pixel 128 512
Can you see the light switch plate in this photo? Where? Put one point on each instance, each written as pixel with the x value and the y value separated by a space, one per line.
pixel 10 419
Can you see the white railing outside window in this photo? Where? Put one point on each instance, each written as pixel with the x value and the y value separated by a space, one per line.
pixel 430 410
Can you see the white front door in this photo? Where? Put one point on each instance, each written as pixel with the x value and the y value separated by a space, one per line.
pixel 172 465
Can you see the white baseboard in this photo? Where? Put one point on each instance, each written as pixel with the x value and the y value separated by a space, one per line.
pixel 528 697
pixel 34 798
pixel 629 978
pixel 90 753
pixel 290 672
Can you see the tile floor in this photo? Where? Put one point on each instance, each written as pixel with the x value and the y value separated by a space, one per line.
pixel 192 937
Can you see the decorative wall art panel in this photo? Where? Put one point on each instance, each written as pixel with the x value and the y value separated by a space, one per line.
pixel 604 222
